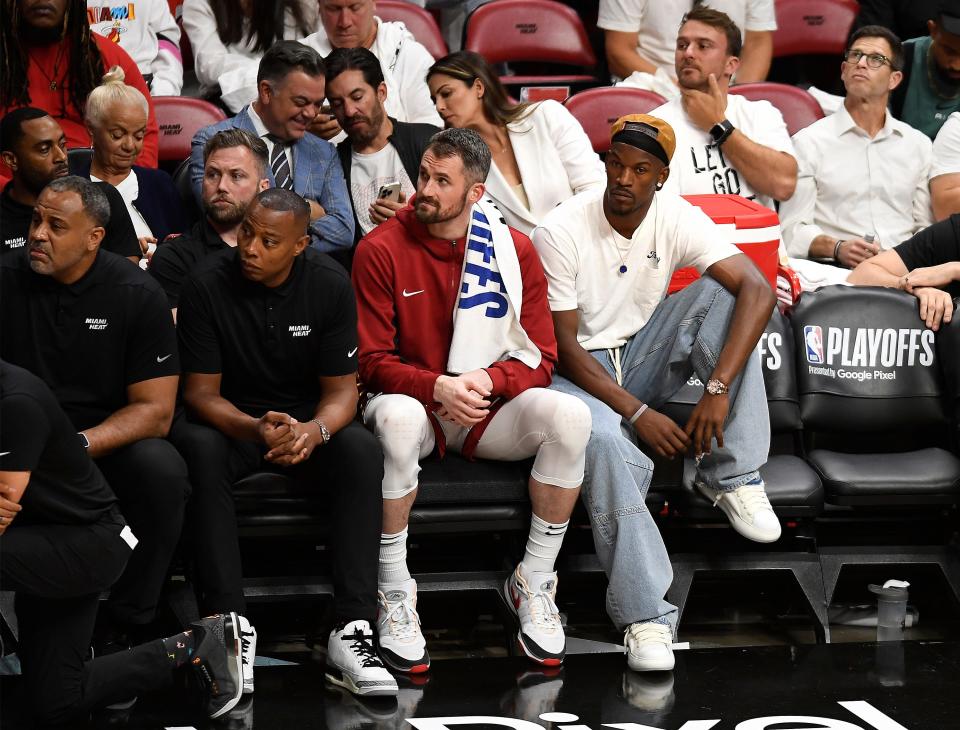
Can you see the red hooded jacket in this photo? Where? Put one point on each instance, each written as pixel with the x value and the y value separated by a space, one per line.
pixel 407 283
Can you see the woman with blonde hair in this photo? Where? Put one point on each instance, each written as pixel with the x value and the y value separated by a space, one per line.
pixel 116 118
pixel 541 155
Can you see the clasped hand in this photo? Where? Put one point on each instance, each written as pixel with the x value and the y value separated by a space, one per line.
pixel 667 439
pixel 463 399
pixel 287 440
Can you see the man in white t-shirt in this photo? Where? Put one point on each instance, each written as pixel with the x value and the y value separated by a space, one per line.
pixel 379 151
pixel 625 350
pixel 640 34
pixel 945 169
pixel 725 142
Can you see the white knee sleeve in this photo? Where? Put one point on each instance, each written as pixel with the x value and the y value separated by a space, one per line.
pixel 403 428
pixel 560 459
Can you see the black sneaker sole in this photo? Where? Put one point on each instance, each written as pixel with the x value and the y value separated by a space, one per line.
pixel 398 664
pixel 528 645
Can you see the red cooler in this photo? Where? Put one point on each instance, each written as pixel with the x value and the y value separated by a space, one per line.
pixel 753 228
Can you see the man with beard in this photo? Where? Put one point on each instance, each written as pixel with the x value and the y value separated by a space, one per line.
pixel 473 382
pixel 624 349
pixel 726 143
pixel 34 147
pixel 379 150
pixel 235 169
pixel 930 90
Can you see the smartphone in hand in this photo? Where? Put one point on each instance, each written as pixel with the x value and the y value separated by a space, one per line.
pixel 390 192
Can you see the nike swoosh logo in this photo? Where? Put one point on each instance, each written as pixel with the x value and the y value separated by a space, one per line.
pixel 165 357
pixel 412 293
pixel 4 453
pixel 352 352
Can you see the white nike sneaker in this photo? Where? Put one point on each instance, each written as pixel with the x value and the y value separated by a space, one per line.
pixel 248 646
pixel 748 510
pixel 352 661
pixel 402 646
pixel 541 632
pixel 649 647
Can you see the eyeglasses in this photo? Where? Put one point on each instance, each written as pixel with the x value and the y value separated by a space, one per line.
pixel 874 60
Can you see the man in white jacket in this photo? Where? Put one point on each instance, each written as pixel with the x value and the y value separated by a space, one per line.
pixel 147 31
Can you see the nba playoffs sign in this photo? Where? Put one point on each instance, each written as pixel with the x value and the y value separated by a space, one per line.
pixel 865 353
pixel 865 715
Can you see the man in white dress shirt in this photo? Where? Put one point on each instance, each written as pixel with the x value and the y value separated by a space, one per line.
pixel 863 174
pixel 352 24
pixel 945 169
pixel 640 34
pixel 725 142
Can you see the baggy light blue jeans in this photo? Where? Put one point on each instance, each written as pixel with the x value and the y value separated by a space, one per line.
pixel 683 336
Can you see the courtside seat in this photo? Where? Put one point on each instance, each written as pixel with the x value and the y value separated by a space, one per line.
pixel 419 22
pixel 179 119
pixel 532 31
pixel 597 109
pixel 948 343
pixel 924 476
pixel 798 107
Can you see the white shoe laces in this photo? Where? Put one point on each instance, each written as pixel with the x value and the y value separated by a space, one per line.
pixel 402 619
pixel 647 633
pixel 544 613
pixel 752 499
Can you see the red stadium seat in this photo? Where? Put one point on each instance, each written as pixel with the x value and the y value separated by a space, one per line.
pixel 598 109
pixel 813 27
pixel 541 31
pixel 179 118
pixel 798 107
pixel 418 21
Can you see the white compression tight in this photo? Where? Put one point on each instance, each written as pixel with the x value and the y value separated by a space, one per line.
pixel 551 425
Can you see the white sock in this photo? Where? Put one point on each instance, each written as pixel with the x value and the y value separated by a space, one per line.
pixel 393 558
pixel 543 545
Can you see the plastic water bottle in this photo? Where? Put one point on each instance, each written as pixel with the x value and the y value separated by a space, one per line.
pixel 891 609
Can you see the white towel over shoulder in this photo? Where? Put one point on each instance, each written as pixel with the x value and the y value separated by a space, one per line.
pixel 486 319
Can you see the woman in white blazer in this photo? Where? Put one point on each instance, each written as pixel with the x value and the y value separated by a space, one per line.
pixel 541 155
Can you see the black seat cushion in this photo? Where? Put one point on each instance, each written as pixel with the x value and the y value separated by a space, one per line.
pixel 914 476
pixel 793 488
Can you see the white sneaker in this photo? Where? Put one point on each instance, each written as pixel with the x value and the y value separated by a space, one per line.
pixel 541 632
pixel 748 510
pixel 352 661
pixel 649 647
pixel 248 647
pixel 402 646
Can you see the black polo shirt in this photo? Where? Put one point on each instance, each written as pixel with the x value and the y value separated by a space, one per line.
pixel 934 245
pixel 88 340
pixel 65 486
pixel 178 256
pixel 269 345
pixel 120 237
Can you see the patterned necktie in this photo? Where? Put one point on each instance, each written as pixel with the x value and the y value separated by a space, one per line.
pixel 279 164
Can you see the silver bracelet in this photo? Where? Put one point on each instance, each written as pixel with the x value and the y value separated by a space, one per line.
pixel 836 248
pixel 635 416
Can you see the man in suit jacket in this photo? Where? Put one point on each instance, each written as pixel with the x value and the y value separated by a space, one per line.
pixel 290 86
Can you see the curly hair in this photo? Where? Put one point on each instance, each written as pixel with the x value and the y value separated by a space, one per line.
pixel 83 67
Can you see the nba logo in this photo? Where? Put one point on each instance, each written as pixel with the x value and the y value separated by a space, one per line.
pixel 813 338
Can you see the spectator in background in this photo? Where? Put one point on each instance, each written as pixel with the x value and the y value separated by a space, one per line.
pixel 148 32
pixel 404 61
pixel 235 169
pixel 930 90
pixel 34 147
pixel 945 169
pixel 541 155
pixel 379 150
pixel 97 330
pixel 291 89
pixel 641 37
pixel 906 18
pixel 116 119
pixel 926 265
pixel 51 59
pixel 862 172
pixel 735 145
pixel 228 39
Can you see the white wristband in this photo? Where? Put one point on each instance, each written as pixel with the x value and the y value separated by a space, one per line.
pixel 635 416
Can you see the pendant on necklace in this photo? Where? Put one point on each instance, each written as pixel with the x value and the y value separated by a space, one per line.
pixel 53 86
pixel 623 268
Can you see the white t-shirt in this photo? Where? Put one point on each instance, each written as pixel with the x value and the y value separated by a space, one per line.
pixel 946 148
pixel 129 189
pixel 582 256
pixel 657 22
pixel 369 173
pixel 699 167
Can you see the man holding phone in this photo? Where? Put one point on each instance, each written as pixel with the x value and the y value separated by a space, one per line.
pixel 380 156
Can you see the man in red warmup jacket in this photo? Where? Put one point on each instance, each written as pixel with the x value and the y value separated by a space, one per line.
pixel 456 350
